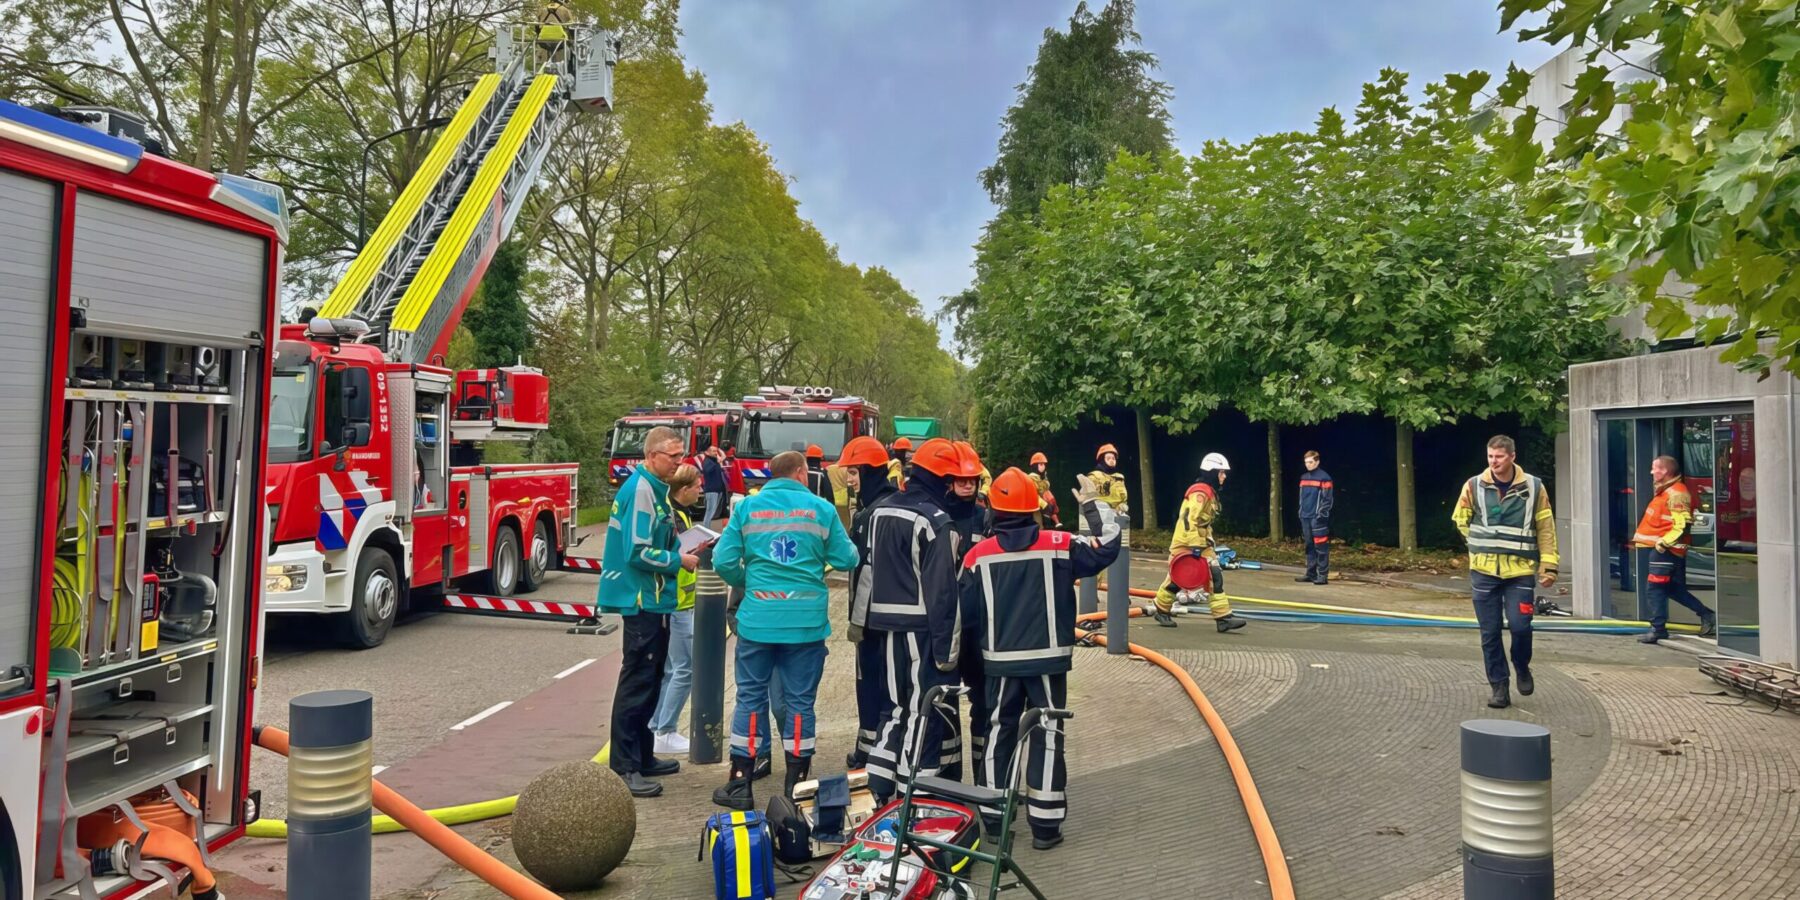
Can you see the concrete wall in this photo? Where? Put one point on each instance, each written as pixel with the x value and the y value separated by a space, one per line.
pixel 1658 384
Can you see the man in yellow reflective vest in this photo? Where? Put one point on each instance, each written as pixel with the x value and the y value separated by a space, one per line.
pixel 1504 514
pixel 1666 530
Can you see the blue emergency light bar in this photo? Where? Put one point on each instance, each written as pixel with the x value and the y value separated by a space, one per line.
pixel 64 138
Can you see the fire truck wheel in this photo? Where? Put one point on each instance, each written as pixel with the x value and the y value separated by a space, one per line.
pixel 540 560
pixel 504 572
pixel 376 602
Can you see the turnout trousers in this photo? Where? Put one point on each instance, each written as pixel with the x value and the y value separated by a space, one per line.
pixel 1046 772
pixel 904 671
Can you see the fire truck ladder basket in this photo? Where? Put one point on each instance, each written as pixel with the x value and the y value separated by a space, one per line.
pixel 1778 686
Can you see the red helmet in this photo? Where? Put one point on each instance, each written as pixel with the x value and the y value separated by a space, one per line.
pixel 863 451
pixel 971 461
pixel 939 457
pixel 814 451
pixel 1013 492
pixel 1039 458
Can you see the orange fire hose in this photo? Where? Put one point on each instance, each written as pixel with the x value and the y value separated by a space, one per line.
pixel 435 833
pixel 1281 884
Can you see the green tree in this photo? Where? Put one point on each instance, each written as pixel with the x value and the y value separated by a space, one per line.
pixel 1699 183
pixel 498 319
pixel 1089 95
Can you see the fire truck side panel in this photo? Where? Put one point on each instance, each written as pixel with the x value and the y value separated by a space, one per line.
pixel 430 536
pixel 514 496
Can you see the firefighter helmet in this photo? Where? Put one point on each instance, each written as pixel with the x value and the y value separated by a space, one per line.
pixel 939 457
pixel 901 443
pixel 863 451
pixel 1215 462
pixel 1013 492
pixel 1039 457
pixel 814 451
pixel 971 461
pixel 1105 449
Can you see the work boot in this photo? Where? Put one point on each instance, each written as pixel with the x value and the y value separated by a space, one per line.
pixel 799 768
pixel 1526 685
pixel 1229 622
pixel 1164 619
pixel 856 759
pixel 657 768
pixel 764 765
pixel 1305 579
pixel 1709 625
pixel 641 786
pixel 1651 637
pixel 1502 697
pixel 736 793
pixel 1322 579
pixel 1045 841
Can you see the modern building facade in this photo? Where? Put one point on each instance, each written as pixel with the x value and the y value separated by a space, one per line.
pixel 1733 433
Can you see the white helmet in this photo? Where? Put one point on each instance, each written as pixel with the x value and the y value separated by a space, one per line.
pixel 1215 462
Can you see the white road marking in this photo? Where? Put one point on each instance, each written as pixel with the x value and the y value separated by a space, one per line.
pixel 378 770
pixel 574 668
pixel 481 715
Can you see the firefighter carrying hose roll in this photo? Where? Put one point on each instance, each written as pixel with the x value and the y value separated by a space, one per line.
pixel 1020 586
pixel 1194 535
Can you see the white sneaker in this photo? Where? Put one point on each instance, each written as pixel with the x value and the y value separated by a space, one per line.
pixel 671 742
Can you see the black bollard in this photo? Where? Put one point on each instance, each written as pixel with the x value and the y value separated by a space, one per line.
pixel 1506 819
pixel 706 721
pixel 330 759
pixel 1118 594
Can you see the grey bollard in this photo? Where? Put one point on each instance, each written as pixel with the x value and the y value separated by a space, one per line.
pixel 1090 596
pixel 329 793
pixel 706 721
pixel 1506 819
pixel 1118 597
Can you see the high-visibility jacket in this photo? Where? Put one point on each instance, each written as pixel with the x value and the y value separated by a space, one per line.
pixel 1109 488
pixel 777 547
pixel 1019 588
pixel 1316 494
pixel 685 582
pixel 897 474
pixel 1194 526
pixel 1510 535
pixel 1668 518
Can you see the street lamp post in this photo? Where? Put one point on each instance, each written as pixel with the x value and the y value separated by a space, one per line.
pixel 362 184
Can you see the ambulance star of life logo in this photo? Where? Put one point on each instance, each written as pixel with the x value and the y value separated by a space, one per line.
pixel 784 549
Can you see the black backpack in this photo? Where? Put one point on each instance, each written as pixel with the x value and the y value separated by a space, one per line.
pixel 791 831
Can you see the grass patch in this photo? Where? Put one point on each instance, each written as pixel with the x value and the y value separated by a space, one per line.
pixel 591 515
pixel 1345 557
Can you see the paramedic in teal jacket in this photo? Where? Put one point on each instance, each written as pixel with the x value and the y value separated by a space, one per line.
pixel 776 548
pixel 639 565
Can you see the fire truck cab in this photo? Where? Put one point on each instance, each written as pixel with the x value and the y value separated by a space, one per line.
pixel 702 422
pixel 780 418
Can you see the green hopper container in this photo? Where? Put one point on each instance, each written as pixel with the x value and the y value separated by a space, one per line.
pixel 916 428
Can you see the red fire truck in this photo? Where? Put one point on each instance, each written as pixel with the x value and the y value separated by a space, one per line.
pixel 376 483
pixel 139 297
pixel 702 422
pixel 781 418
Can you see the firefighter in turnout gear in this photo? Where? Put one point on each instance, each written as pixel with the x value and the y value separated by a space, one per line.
pixel 1020 586
pixel 817 480
pixel 899 457
pixel 969 515
pixel 1194 535
pixel 1666 530
pixel 906 607
pixel 865 465
pixel 1110 485
pixel 1048 514
pixel 1504 513
pixel 1316 495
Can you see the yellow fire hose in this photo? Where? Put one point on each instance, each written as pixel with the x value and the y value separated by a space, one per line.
pixel 449 815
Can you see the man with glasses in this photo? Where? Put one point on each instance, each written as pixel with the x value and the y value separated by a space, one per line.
pixel 639 565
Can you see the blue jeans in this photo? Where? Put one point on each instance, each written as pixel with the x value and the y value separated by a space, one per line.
pixel 1513 599
pixel 1668 578
pixel 678 674
pixel 800 667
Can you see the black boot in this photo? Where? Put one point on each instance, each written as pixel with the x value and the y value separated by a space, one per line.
pixel 736 793
pixel 1230 622
pixel 1164 619
pixel 1305 579
pixel 1651 637
pixel 855 760
pixel 1526 685
pixel 1502 697
pixel 764 765
pixel 799 768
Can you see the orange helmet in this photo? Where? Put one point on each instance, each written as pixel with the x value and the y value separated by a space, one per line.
pixel 863 451
pixel 1039 458
pixel 1105 449
pixel 939 457
pixel 901 443
pixel 814 451
pixel 971 461
pixel 1013 492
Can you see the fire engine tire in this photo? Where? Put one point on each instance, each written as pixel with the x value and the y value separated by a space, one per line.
pixel 374 601
pixel 540 558
pixel 503 575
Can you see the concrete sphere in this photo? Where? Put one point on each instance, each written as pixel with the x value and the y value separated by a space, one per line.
pixel 573 825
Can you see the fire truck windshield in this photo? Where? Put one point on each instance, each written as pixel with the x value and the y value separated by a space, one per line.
pixel 766 433
pixel 290 415
pixel 628 437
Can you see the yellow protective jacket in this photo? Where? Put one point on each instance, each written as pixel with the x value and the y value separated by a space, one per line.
pixel 1536 527
pixel 1194 526
pixel 1110 489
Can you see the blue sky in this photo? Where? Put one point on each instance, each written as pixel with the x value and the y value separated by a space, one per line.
pixel 883 112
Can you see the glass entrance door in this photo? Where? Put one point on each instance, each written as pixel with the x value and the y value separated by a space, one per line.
pixel 1717 456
